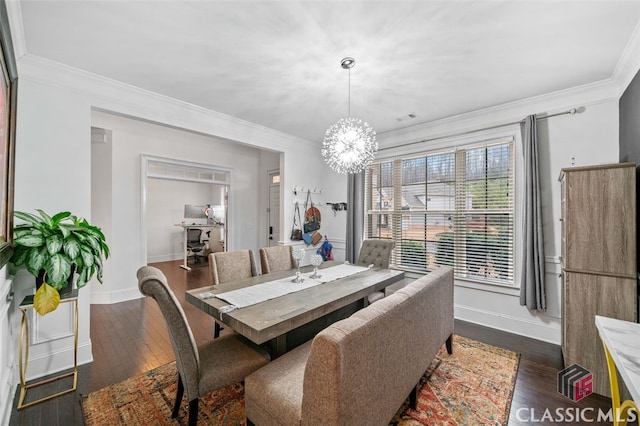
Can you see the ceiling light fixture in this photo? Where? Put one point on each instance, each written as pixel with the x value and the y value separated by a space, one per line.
pixel 349 145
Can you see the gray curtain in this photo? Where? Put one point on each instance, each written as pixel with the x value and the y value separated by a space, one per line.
pixel 532 291
pixel 355 215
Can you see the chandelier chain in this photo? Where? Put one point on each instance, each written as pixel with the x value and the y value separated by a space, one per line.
pixel 349 109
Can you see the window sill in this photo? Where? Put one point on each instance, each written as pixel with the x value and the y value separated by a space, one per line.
pixel 475 285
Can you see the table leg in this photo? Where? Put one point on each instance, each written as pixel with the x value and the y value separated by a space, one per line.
pixel 620 411
pixel 278 346
pixel 186 252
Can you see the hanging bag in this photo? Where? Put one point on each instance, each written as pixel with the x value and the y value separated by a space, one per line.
pixel 296 232
pixel 311 216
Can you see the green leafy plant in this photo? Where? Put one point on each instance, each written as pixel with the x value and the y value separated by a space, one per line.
pixel 54 244
pixel 413 254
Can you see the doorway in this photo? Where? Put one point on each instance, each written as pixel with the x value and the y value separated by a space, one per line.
pixel 273 210
pixel 170 190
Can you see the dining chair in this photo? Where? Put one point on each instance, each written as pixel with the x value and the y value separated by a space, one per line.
pixel 226 266
pixel 278 258
pixel 377 253
pixel 201 369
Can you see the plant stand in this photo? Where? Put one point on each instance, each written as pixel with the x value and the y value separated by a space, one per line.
pixel 27 304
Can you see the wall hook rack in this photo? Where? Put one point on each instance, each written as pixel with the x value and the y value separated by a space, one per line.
pixel 337 207
pixel 304 189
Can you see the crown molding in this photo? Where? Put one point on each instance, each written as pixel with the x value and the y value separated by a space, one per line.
pixel 629 62
pixel 588 94
pixel 585 95
pixel 112 96
pixel 14 12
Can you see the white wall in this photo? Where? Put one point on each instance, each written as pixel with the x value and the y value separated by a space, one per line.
pixel 581 139
pixel 53 173
pixel 165 208
pixel 9 335
pixel 166 199
pixel 310 171
pixel 102 193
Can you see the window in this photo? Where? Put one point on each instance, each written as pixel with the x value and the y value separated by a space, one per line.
pixel 452 207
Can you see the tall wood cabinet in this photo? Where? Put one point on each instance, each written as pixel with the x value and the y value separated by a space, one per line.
pixel 598 260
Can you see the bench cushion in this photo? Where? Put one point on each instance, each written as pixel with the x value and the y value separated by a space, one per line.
pixel 273 395
pixel 361 369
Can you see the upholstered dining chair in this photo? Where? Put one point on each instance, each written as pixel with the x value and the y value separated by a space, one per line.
pixel 278 258
pixel 377 253
pixel 214 365
pixel 226 266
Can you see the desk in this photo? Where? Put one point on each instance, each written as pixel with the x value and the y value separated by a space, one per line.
pixel 27 304
pixel 186 228
pixel 279 320
pixel 621 341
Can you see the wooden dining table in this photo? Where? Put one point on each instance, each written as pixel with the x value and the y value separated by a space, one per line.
pixel 287 321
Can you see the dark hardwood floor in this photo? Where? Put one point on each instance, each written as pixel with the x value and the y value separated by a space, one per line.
pixel 130 338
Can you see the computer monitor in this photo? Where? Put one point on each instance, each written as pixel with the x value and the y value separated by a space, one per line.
pixel 193 211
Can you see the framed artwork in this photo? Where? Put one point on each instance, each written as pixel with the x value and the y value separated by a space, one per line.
pixel 8 98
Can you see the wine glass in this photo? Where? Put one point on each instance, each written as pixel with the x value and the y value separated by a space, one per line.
pixel 298 254
pixel 315 260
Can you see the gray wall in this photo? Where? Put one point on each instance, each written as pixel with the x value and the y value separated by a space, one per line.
pixel 630 143
pixel 630 122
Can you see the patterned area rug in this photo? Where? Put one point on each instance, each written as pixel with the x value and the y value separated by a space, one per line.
pixel 474 386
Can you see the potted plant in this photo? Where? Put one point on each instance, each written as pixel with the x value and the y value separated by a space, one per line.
pixel 52 248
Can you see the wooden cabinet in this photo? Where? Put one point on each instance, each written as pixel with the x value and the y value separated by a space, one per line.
pixel 598 260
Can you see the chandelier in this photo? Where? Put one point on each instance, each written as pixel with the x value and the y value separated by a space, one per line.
pixel 349 145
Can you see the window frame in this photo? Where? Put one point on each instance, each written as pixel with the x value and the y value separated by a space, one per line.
pixel 466 141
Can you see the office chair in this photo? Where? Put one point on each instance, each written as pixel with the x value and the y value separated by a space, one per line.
pixel 194 244
pixel 201 369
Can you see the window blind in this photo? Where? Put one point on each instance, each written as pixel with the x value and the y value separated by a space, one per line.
pixel 453 207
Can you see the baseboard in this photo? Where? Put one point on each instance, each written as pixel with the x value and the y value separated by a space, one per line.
pixel 7 394
pixel 547 332
pixel 54 362
pixel 165 257
pixel 107 298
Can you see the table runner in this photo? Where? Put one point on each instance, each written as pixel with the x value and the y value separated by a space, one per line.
pixel 251 295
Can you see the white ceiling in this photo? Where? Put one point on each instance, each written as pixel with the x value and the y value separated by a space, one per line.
pixel 277 63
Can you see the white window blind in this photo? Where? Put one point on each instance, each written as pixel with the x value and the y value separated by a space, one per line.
pixel 453 207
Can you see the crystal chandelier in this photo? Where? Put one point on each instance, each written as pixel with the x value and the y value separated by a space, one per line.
pixel 349 145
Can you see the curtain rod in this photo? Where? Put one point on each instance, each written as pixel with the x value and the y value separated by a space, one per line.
pixel 572 111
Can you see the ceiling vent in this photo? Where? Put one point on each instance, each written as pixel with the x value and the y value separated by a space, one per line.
pixel 409 116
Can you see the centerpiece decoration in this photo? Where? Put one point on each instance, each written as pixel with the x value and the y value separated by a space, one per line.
pixel 315 260
pixel 298 254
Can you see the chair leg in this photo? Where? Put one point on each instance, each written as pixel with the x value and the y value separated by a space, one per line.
pixel 449 344
pixel 413 397
pixel 179 393
pixel 216 330
pixel 193 412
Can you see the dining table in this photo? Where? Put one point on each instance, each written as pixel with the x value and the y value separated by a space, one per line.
pixel 272 310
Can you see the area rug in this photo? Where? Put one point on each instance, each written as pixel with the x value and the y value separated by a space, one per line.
pixel 474 386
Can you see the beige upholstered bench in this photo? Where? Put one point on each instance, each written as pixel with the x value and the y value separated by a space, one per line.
pixel 360 370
